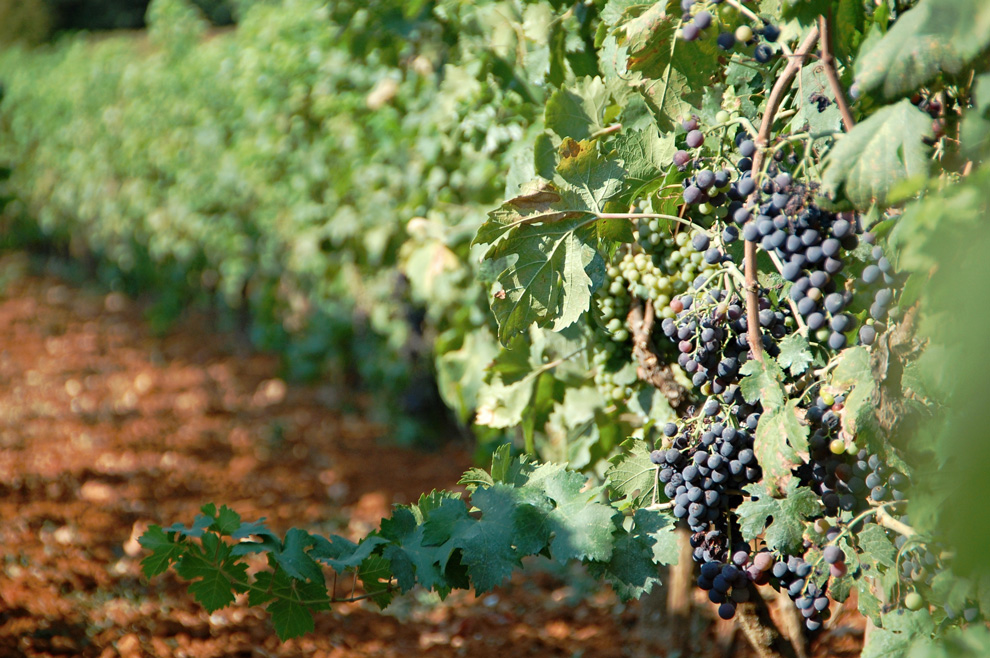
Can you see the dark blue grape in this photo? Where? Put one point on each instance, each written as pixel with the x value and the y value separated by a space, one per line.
pixel 692 194
pixel 763 53
pixel 726 40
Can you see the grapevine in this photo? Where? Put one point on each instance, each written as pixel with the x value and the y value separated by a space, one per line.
pixel 722 287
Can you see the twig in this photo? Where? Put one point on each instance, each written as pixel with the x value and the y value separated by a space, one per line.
pixel 614 128
pixel 828 61
pixel 762 139
pixel 745 11
pixel 652 369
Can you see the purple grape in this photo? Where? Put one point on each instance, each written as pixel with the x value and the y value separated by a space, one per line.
pixel 695 138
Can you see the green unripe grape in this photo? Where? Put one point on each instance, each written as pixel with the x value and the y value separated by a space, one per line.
pixel 654 239
pixel 722 116
pixel 828 398
pixel 639 260
pixel 697 258
pixel 654 225
pixel 822 334
pixel 617 393
pixel 837 446
pixel 814 294
pixel 681 239
pixel 608 312
pixel 705 208
pixel 642 291
pixel 852 449
pixel 675 259
pixel 706 388
pixel 649 280
pixel 668 312
pixel 662 300
pixel 663 283
pixel 632 276
pixel 822 526
pixel 615 287
pixel 621 335
pixel 913 601
pixel 614 325
pixel 744 33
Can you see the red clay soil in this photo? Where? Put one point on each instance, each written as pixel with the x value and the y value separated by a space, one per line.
pixel 105 428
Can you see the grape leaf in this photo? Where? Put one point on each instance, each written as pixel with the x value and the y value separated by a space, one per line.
pixel 974 134
pixel 901 629
pixel 660 532
pixel 412 560
pixel 645 155
pixel 581 527
pixel 487 543
pixel 577 112
pixel 780 436
pixel 227 522
pixel 761 381
pixel 164 551
pixel 290 619
pixel 632 475
pixel 212 585
pixel 935 36
pixel 341 554
pixel 552 272
pixel 876 155
pixel 294 559
pixel 542 202
pixel 785 531
pixel 630 571
pixel 822 114
pixel 875 545
pixel 795 354
pixel 584 171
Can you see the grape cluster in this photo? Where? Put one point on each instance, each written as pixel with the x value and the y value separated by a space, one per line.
pixel 844 482
pixel 694 27
pixel 810 245
pixel 702 476
pixel 727 585
pixel 615 383
pixel 878 277
pixel 710 333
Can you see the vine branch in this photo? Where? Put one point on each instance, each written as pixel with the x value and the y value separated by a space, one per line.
pixel 828 61
pixel 652 369
pixel 762 139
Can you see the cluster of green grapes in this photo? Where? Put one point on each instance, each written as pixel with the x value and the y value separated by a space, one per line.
pixel 613 378
pixel 665 269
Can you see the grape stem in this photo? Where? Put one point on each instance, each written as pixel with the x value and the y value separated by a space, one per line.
pixel 802 327
pixel 745 11
pixel 647 215
pixel 828 61
pixel 762 139
pixel 887 521
pixel 614 128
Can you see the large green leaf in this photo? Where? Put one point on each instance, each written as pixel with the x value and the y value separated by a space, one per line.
pixel 789 513
pixel 936 36
pixel 551 272
pixel 577 111
pixel 880 152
